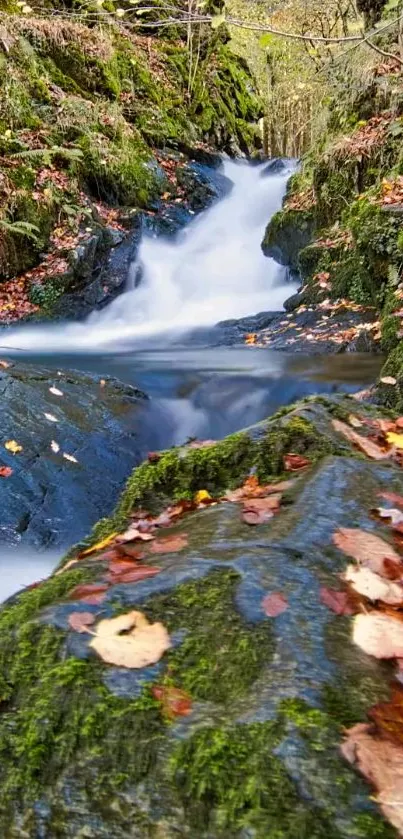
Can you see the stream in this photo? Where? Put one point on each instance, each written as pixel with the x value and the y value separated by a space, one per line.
pixel 212 270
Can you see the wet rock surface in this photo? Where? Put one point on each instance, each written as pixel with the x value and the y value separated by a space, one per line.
pixel 257 756
pixel 100 425
pixel 326 328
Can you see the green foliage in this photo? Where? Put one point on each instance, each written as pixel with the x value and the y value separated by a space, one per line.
pixel 21 228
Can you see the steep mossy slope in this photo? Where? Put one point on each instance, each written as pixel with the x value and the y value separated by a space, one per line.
pixel 87 98
pixel 341 225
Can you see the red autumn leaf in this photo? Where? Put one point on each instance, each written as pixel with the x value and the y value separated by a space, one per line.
pixel 120 566
pixel 399 423
pixel 175 702
pixel 130 550
pixel 337 601
pixel 294 462
pixel 154 457
pixel 252 489
pixel 80 620
pixel 5 471
pixel 134 575
pixel 274 604
pixel 169 544
pixel 388 716
pixel 87 590
pixel 392 570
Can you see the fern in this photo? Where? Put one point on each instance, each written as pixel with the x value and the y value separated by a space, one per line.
pixel 21 228
pixel 46 155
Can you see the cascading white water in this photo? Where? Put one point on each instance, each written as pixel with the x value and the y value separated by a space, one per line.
pixel 212 271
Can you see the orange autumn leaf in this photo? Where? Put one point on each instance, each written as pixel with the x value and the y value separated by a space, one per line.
pixel 388 716
pixel 134 575
pixel 98 546
pixel 251 338
pixel 169 544
pixel 294 462
pixel 367 446
pixel 175 702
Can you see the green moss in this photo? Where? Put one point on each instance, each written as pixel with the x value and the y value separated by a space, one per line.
pixel 298 436
pixel 220 656
pixel 288 232
pixel 229 779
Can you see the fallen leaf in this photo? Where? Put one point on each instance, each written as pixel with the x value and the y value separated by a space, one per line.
pixel 175 702
pixel 354 421
pixel 250 338
pixel 99 546
pixel 13 446
pixel 56 391
pixel 371 585
pixel 143 644
pixel 274 604
pixel 169 544
pixel 127 549
pixel 51 418
pixel 367 446
pixel 119 565
pixel 294 462
pixel 80 620
pixel 392 513
pixel 70 457
pixel 388 380
pixel 395 439
pixel 202 497
pixel 252 489
pixel 380 761
pixel 154 457
pixel 133 533
pixel 367 549
pixel 337 601
pixel 91 593
pixel 134 575
pixel 254 517
pixel 5 364
pixel 55 446
pixel 379 635
pixel 5 471
pixel 388 716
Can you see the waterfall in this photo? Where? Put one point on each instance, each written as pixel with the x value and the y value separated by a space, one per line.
pixel 212 270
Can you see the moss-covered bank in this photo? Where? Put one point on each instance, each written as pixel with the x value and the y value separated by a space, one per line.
pixel 86 102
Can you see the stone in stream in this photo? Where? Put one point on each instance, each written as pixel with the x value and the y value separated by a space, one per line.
pixel 49 497
pixel 86 750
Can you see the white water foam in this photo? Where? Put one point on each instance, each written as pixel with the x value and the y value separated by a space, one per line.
pixel 212 271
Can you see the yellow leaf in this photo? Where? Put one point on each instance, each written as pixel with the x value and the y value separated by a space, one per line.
pixel 395 439
pixel 251 338
pixel 99 545
pixel 143 644
pixel 201 496
pixel 13 446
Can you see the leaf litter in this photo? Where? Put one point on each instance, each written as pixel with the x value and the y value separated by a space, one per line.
pixel 130 640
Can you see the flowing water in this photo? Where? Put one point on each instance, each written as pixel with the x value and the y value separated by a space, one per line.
pixel 212 270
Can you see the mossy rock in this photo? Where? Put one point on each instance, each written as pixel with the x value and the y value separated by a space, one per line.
pixel 288 232
pixel 87 750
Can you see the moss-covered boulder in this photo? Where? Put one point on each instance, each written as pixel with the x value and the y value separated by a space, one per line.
pixel 87 750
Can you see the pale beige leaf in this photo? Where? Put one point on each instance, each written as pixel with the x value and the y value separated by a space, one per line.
pixel 144 644
pixel 371 585
pixel 133 533
pixel 366 548
pixel 51 418
pixel 367 446
pixel 392 513
pixel 388 380
pixel 381 763
pixel 379 635
pixel 56 391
